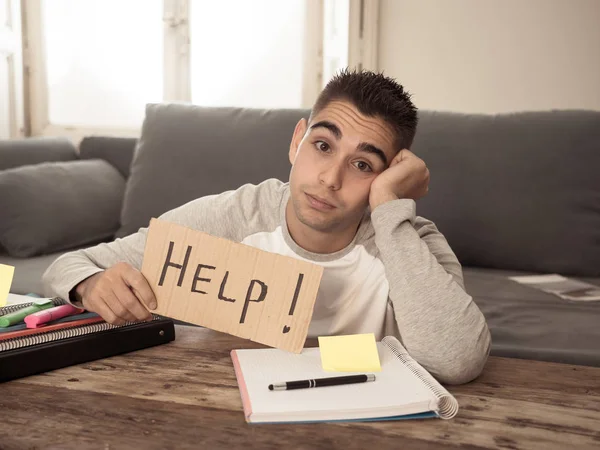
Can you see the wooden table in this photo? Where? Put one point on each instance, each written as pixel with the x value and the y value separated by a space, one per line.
pixel 185 395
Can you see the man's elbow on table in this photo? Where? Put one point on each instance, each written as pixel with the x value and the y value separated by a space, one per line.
pixel 465 363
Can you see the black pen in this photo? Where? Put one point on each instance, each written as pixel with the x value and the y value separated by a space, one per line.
pixel 319 382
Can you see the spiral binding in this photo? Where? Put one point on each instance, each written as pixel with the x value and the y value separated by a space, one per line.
pixel 41 338
pixel 56 301
pixel 447 404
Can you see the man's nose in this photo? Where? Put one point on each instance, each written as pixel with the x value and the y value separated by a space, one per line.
pixel 332 175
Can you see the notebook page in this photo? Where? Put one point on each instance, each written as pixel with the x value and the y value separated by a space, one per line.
pixel 394 386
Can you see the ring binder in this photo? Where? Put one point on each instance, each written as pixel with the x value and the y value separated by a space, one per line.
pixel 56 301
pixel 448 406
pixel 44 337
pixel 40 352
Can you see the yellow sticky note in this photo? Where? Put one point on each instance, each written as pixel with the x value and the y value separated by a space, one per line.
pixel 351 353
pixel 6 276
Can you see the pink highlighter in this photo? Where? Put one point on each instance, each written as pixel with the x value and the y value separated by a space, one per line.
pixel 40 318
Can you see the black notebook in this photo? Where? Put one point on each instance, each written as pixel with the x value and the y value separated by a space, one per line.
pixel 35 353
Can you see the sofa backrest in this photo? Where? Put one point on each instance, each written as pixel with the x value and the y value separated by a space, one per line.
pixel 188 151
pixel 515 191
pixel 118 151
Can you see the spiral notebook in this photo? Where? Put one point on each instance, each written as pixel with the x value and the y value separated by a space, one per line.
pixel 27 352
pixel 402 390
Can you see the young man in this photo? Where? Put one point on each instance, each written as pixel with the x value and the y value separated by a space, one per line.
pixel 350 207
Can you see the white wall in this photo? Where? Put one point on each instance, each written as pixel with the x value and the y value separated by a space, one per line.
pixel 493 56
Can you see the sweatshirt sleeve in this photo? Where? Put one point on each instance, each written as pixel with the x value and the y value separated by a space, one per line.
pixel 230 215
pixel 439 323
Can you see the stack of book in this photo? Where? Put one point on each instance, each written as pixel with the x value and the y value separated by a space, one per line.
pixel 70 340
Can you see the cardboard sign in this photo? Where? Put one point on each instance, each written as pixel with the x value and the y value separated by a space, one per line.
pixel 230 287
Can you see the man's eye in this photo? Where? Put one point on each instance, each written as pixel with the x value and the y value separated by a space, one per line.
pixel 363 166
pixel 322 146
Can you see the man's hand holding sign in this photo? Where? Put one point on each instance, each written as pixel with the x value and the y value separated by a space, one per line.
pixel 230 287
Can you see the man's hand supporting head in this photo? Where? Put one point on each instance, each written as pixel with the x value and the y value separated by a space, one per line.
pixel 119 294
pixel 406 177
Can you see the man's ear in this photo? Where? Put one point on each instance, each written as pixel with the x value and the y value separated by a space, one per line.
pixel 299 132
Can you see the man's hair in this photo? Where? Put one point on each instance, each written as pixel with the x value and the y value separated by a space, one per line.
pixel 374 95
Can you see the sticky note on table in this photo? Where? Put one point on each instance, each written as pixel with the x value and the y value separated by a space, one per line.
pixel 6 276
pixel 350 353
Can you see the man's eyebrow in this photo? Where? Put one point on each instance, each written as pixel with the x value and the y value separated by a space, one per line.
pixel 363 146
pixel 330 126
pixel 370 148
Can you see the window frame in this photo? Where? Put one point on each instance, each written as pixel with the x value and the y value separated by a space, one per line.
pixel 13 125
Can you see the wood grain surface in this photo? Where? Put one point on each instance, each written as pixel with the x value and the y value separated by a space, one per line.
pixel 185 395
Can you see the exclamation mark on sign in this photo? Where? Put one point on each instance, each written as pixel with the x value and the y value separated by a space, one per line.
pixel 294 300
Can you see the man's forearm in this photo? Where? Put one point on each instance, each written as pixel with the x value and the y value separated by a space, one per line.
pixel 66 273
pixel 439 324
pixel 72 268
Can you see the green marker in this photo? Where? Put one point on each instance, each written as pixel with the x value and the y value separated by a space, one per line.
pixel 10 319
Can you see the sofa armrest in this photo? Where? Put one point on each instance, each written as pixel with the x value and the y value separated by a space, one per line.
pixel 56 206
pixel 22 152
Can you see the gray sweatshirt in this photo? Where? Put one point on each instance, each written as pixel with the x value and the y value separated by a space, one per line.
pixel 398 276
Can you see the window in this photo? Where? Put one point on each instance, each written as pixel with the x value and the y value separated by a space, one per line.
pixel 335 42
pixel 93 66
pixel 103 61
pixel 247 53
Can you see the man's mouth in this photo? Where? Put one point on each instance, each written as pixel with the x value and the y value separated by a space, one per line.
pixel 319 203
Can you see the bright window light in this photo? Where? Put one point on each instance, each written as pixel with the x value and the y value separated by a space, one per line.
pixel 247 53
pixel 103 61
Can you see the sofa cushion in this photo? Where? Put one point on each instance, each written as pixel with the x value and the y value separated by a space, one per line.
pixel 28 272
pixel 527 323
pixel 21 152
pixel 116 150
pixel 186 152
pixel 54 206
pixel 516 191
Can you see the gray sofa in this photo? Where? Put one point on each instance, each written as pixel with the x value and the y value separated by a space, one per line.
pixel 514 194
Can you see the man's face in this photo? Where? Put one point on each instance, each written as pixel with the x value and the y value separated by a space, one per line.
pixel 335 158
